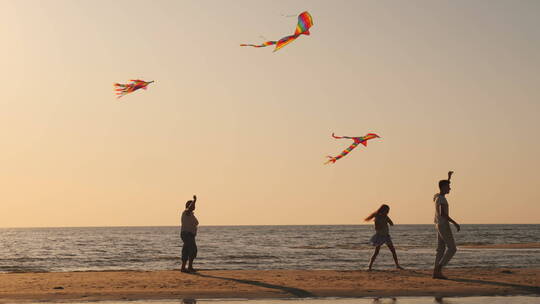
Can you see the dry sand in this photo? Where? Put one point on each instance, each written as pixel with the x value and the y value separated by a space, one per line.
pixel 141 285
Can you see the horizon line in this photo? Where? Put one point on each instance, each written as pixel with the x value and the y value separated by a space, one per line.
pixel 245 225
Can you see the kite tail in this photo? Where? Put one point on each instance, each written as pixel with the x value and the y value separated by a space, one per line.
pixel 331 160
pixel 264 44
pixel 338 137
pixel 121 89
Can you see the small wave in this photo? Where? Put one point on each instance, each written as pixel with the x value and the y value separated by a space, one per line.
pixel 167 258
pixel 475 243
pixel 21 269
pixel 312 247
pixel 354 246
pixel 339 246
pixel 250 256
pixel 23 260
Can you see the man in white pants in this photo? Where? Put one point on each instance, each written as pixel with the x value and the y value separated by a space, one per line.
pixel 446 246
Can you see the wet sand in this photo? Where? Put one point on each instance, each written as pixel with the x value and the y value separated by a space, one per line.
pixel 503 246
pixel 154 285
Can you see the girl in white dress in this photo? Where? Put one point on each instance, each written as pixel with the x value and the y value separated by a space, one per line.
pixel 382 235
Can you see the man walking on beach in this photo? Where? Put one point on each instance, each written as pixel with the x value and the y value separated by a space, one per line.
pixel 446 246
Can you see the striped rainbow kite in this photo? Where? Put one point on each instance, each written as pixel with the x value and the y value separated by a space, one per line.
pixel 302 28
pixel 356 141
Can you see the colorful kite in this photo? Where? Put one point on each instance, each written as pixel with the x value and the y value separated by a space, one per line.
pixel 123 89
pixel 357 140
pixel 302 28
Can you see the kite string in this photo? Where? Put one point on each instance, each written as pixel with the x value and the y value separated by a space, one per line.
pixel 288 16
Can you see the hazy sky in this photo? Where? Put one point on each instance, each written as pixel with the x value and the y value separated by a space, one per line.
pixel 447 84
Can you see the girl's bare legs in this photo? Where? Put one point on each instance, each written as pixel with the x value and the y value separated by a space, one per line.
pixel 374 256
pixel 394 255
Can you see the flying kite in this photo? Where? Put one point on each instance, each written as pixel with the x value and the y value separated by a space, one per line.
pixel 123 89
pixel 357 140
pixel 302 28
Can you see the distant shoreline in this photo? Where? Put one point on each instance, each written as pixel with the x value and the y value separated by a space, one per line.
pixel 254 284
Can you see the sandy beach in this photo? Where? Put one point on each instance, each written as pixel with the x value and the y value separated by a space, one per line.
pixel 140 285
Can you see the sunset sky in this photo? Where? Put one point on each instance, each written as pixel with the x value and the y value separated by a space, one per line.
pixel 448 85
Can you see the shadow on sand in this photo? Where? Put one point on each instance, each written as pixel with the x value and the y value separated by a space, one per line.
pixel 300 293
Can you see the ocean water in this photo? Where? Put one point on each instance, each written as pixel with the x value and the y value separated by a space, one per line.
pixel 254 247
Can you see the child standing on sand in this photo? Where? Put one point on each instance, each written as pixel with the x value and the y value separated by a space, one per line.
pixel 382 235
